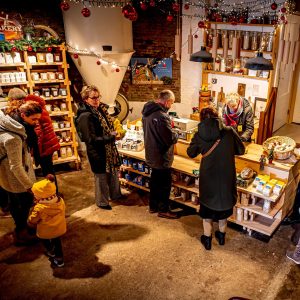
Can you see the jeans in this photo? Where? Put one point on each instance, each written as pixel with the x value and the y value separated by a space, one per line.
pixel 54 245
pixel 107 187
pixel 19 206
pixel 160 188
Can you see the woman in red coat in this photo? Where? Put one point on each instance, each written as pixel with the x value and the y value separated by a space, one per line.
pixel 47 140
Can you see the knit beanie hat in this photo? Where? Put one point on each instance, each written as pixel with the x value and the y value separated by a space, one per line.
pixel 44 189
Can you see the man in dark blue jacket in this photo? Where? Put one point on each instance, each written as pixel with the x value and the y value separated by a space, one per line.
pixel 159 148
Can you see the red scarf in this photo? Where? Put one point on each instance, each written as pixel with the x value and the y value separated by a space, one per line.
pixel 231 119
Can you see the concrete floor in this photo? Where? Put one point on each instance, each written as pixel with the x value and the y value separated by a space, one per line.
pixel 128 253
pixel 292 130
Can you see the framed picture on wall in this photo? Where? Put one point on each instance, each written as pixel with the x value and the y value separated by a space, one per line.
pixel 259 105
pixel 151 70
pixel 241 89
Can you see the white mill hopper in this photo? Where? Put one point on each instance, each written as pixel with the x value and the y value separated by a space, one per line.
pixel 105 26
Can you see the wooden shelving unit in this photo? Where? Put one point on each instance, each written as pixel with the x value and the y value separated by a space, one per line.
pixel 257 218
pixel 234 75
pixel 32 86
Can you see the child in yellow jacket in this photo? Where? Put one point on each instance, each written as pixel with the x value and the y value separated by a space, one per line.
pixel 48 215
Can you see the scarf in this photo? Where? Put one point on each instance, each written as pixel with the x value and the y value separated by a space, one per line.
pixel 231 119
pixel 113 160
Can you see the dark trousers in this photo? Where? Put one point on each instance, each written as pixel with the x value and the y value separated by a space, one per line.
pixel 54 245
pixel 160 188
pixel 3 199
pixel 19 206
pixel 48 167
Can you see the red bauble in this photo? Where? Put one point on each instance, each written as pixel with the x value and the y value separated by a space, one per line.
pixel 14 49
pixel 283 10
pixel 137 71
pixel 49 49
pixel 29 48
pixel 144 6
pixel 242 20
pixel 126 10
pixel 117 70
pixel 219 20
pixel 196 36
pixel 282 18
pixel 273 6
pixel 201 24
pixel 175 7
pixel 164 65
pixel 152 3
pixel 85 12
pixel 64 6
pixel 186 6
pixel 254 21
pixel 234 23
pixel 98 62
pixel 75 55
pixel 133 16
pixel 170 18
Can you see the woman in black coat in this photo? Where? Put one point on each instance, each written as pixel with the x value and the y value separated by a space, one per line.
pixel 218 193
pixel 95 128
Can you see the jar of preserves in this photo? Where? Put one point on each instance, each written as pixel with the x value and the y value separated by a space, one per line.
pixel 231 36
pixel 246 40
pixel 270 41
pixel 254 41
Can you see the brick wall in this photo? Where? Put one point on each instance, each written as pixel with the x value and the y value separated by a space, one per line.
pixel 154 37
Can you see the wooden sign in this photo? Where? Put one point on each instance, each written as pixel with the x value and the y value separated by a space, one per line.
pixel 11 29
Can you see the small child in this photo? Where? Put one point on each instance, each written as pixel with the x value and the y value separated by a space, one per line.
pixel 48 215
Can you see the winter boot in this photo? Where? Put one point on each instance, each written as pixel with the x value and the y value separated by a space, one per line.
pixel 220 236
pixel 294 255
pixel 206 241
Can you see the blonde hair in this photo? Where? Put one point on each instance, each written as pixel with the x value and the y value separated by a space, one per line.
pixel 86 90
pixel 232 98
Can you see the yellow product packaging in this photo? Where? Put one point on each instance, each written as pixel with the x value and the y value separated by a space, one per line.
pixel 257 179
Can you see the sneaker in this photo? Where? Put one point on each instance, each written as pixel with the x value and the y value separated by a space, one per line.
pixel 107 207
pixel 167 215
pixel 56 262
pixel 293 256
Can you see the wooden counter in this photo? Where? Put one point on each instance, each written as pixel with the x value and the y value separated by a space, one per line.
pixel 256 218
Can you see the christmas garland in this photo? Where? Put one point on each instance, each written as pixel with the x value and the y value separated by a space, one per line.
pixel 32 45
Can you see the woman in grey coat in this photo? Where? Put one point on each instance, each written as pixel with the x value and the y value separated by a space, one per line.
pixel 16 169
pixel 217 183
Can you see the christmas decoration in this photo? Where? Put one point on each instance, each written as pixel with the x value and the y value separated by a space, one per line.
pixel 201 24
pixel 170 18
pixel 283 10
pixel 282 18
pixel 29 48
pixel 274 6
pixel 196 36
pixel 14 49
pixel 144 6
pixel 186 6
pixel 64 6
pixel 75 55
pixel 49 49
pixel 117 70
pixel 85 12
pixel 176 7
pixel 98 62
pixel 152 3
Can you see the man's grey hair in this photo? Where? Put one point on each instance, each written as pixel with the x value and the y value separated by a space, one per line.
pixel 16 94
pixel 166 95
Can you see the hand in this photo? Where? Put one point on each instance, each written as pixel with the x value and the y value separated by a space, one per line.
pixel 114 133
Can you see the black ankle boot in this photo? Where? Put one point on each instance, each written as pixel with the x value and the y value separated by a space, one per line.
pixel 220 236
pixel 206 241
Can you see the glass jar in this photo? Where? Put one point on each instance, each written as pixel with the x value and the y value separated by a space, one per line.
pixel 246 40
pixel 263 42
pixel 209 41
pixel 229 65
pixel 231 36
pixel 270 41
pixel 224 36
pixel 254 41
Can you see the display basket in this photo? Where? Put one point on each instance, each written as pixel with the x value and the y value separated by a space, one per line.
pixel 279 141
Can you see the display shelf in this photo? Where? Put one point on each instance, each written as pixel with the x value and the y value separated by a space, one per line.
pixel 65 160
pixel 21 64
pixel 260 224
pixel 123 180
pixel 13 83
pixel 252 190
pixel 58 114
pixel 184 186
pixel 258 209
pixel 54 98
pixel 220 50
pixel 187 203
pixel 238 24
pixel 130 169
pixel 234 75
pixel 63 129
pixel 48 81
pixel 63 144
pixel 46 64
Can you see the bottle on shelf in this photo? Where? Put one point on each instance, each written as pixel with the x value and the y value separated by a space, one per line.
pixel 221 96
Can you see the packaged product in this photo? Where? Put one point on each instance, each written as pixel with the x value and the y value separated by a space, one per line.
pixel 267 206
pixel 16 57
pixel 69 152
pixel 44 76
pixel 278 187
pixel 239 214
pixel 32 59
pixel 8 58
pixel 141 166
pixel 49 58
pixel 63 152
pixel 51 75
pixel 2 58
pixel 40 57
pixel 257 179
pixel 55 155
pixel 273 181
pixel 260 186
pixel 267 191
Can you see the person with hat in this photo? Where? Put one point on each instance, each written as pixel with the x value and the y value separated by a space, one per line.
pixel 48 215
